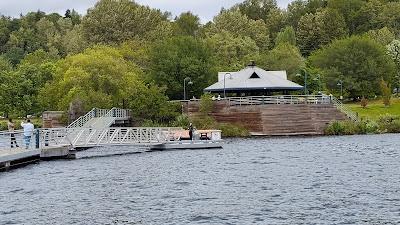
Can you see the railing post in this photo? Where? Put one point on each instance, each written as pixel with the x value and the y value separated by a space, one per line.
pixel 37 138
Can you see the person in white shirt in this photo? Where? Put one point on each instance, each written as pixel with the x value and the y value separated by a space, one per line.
pixel 28 132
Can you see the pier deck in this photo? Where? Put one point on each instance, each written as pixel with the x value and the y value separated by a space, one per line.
pixel 17 157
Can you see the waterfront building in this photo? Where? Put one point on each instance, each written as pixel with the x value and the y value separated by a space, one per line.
pixel 253 81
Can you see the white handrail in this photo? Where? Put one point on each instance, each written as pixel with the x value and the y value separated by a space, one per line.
pixel 343 108
pixel 281 99
pixel 88 137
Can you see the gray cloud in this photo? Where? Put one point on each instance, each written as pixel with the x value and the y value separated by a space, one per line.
pixel 206 9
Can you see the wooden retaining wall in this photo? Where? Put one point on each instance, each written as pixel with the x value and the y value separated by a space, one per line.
pixel 273 120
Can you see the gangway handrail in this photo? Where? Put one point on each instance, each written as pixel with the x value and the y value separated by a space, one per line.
pixel 82 120
pixel 90 137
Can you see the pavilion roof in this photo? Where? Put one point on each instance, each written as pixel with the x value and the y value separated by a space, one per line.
pixel 253 78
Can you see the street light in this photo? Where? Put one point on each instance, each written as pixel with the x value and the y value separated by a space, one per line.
pixel 318 78
pixel 224 82
pixel 305 81
pixel 340 83
pixel 189 81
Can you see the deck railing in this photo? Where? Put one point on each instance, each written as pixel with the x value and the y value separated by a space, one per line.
pixel 282 99
pixel 286 99
pixel 344 109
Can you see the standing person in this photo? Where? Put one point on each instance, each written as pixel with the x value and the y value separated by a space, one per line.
pixel 28 132
pixel 191 131
pixel 11 128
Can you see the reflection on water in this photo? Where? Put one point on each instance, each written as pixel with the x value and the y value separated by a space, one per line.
pixel 324 180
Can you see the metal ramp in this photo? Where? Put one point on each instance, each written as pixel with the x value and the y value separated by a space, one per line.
pixel 90 137
pixel 101 118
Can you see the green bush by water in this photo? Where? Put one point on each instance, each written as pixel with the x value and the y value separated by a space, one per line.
pixel 385 124
pixel 233 130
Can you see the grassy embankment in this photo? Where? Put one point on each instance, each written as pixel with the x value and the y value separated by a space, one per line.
pixel 375 119
pixel 375 109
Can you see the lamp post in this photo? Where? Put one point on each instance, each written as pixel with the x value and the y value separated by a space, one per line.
pixel 189 81
pixel 305 81
pixel 340 83
pixel 318 78
pixel 224 83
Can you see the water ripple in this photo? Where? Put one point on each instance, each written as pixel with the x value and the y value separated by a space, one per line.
pixel 319 180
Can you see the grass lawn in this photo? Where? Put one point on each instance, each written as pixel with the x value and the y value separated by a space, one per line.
pixel 375 108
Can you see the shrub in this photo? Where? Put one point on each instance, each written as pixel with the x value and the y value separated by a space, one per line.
pixel 3 125
pixel 206 104
pixel 204 122
pixel 372 127
pixel 364 102
pixel 233 130
pixel 386 92
pixel 151 123
pixel 335 128
pixel 181 121
pixel 389 123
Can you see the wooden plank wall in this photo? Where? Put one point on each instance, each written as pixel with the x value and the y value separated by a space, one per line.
pixel 273 120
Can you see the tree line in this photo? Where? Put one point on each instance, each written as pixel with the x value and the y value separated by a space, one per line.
pixel 127 55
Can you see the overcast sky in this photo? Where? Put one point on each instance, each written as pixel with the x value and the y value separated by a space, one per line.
pixel 206 9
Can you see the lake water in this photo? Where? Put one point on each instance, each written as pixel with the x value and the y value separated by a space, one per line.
pixel 321 180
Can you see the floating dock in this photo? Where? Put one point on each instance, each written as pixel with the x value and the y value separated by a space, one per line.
pixel 16 157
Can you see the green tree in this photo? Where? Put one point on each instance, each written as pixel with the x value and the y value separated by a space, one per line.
pixel 286 36
pixel 315 30
pixel 393 50
pixel 383 36
pixel 231 53
pixel 115 21
pixel 102 77
pixel 177 58
pixel 238 24
pixel 357 61
pixel 350 10
pixel 256 9
pixel 390 17
pixel 308 34
pixel 282 57
pixel 187 24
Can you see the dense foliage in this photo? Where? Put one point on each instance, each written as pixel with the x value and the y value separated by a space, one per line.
pixel 128 55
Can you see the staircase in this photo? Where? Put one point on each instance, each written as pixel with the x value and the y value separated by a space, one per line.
pixel 280 116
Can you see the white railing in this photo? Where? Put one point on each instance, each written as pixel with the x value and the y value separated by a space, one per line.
pixel 82 120
pixel 115 113
pixel 344 109
pixel 15 140
pixel 281 99
pixel 89 137
pixel 109 118
pixel 55 137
